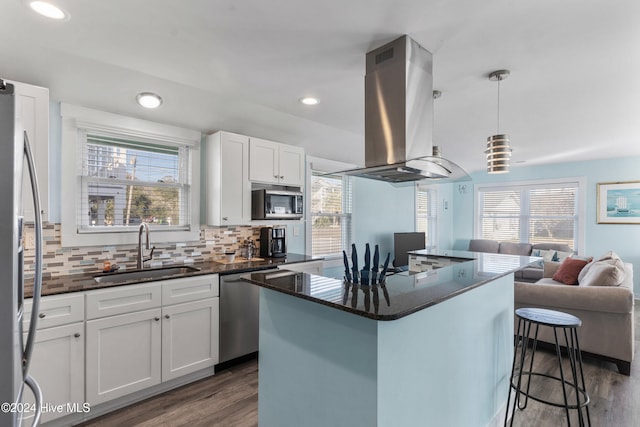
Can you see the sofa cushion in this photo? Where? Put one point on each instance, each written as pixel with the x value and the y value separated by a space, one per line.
pixel 552 246
pixel 569 271
pixel 509 248
pixel 484 245
pixel 603 273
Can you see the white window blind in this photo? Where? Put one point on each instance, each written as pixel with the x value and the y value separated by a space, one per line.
pixel 426 213
pixel 330 215
pixel 544 213
pixel 126 182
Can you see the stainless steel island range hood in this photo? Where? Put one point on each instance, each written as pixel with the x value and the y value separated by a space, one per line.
pixel 399 117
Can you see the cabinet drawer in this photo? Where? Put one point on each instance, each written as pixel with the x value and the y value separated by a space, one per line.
pixel 121 300
pixel 189 289
pixel 56 310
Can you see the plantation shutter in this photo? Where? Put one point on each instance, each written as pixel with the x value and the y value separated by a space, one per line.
pixel 426 202
pixel 126 182
pixel 500 215
pixel 330 215
pixel 552 215
pixel 535 213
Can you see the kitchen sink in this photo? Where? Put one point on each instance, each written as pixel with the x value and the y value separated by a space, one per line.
pixel 150 273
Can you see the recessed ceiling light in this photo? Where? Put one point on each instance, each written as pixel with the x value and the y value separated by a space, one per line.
pixel 309 100
pixel 149 99
pixel 48 10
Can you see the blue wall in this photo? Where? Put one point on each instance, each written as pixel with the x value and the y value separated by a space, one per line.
pixel 598 238
pixel 380 209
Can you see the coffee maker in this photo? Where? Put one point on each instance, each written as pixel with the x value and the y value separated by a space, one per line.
pixel 273 243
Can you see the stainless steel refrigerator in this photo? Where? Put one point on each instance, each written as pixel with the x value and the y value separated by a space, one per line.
pixel 15 349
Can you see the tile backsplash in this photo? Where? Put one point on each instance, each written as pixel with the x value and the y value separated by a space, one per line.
pixel 58 260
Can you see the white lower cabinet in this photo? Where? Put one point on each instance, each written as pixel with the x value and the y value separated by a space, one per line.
pixel 58 366
pixel 189 337
pixel 123 354
pixel 171 330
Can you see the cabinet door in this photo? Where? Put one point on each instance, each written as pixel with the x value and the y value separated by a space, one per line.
pixel 235 189
pixel 33 104
pixel 55 310
pixel 187 289
pixel 263 161
pixel 123 355
pixel 58 366
pixel 123 299
pixel 189 337
pixel 292 167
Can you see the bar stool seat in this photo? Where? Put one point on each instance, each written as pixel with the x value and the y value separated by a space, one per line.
pixel 567 325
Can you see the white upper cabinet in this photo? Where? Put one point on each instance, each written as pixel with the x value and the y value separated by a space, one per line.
pixel 228 190
pixel 33 111
pixel 274 163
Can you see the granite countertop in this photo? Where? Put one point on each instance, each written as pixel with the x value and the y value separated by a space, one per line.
pixel 86 282
pixel 401 294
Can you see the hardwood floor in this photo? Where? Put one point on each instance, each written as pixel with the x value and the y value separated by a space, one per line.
pixel 230 399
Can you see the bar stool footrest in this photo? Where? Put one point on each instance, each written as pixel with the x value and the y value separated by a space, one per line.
pixel 584 399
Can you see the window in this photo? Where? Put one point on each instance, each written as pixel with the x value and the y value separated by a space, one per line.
pixel 330 214
pixel 543 212
pixel 119 171
pixel 426 211
pixel 125 183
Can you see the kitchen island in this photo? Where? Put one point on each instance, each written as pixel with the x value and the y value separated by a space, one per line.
pixel 428 348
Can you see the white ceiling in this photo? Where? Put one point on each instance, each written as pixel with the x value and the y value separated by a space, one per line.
pixel 241 66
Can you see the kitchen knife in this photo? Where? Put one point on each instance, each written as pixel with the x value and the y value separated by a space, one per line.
pixel 376 297
pixel 367 297
pixel 345 294
pixel 354 260
pixel 384 268
pixel 374 266
pixel 385 293
pixel 347 273
pixel 354 295
pixel 364 274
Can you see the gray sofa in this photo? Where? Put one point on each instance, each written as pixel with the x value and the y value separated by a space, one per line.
pixel 606 313
pixel 532 273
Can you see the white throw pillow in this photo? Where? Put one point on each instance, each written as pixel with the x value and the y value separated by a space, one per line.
pixel 608 272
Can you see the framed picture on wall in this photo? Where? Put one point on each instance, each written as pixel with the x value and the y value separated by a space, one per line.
pixel 619 202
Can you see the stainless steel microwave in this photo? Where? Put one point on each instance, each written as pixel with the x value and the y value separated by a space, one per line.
pixel 276 204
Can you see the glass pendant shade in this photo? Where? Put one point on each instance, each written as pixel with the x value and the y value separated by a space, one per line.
pixel 498 153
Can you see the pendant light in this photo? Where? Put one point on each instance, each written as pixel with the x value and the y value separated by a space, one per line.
pixel 498 151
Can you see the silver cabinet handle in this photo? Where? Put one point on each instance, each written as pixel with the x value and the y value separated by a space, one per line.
pixel 77 335
pixel 225 218
pixel 156 318
pixel 42 315
pixel 281 176
pixel 275 176
pixel 166 316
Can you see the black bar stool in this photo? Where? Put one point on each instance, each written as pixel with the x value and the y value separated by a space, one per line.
pixel 568 324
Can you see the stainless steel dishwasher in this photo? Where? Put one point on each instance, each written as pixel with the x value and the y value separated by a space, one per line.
pixel 239 317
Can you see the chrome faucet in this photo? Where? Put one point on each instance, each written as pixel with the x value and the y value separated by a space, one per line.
pixel 141 259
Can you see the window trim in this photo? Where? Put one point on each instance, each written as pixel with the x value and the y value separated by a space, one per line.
pixel 75 118
pixel 580 181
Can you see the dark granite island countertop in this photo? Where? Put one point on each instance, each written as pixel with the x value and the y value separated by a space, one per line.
pixel 328 357
pixel 454 272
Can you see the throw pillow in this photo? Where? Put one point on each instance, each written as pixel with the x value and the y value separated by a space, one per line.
pixel 547 255
pixel 603 273
pixel 561 256
pixel 568 271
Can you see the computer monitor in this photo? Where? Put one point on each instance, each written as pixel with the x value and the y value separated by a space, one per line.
pixel 405 242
